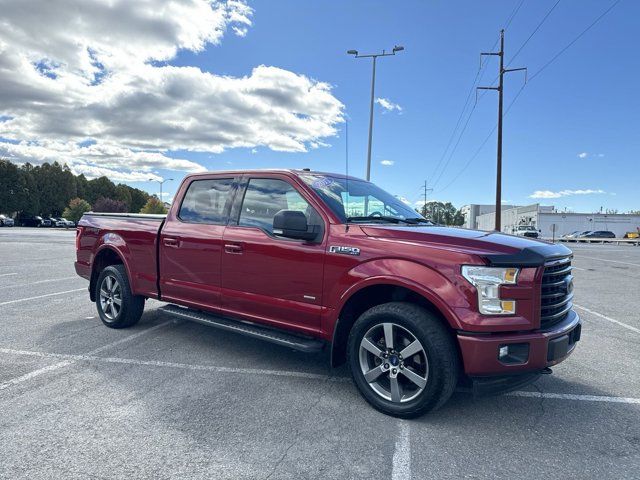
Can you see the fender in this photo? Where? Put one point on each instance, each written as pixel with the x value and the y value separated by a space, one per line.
pixel 115 243
pixel 431 284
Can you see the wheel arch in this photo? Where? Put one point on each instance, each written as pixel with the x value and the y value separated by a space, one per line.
pixel 106 256
pixel 376 291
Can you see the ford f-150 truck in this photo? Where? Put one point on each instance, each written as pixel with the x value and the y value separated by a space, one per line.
pixel 312 260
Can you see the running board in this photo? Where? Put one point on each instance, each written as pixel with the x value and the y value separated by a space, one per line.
pixel 300 343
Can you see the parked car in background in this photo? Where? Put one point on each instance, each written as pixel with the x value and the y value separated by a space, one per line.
pixel 632 235
pixel 599 234
pixel 35 221
pixel 573 237
pixel 66 223
pixel 54 221
pixel 526 231
pixel 572 234
pixel 6 221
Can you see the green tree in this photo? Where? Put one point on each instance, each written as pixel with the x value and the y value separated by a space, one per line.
pixel 138 199
pixel 100 187
pixel 442 213
pixel 10 192
pixel 77 207
pixel 153 205
pixel 82 186
pixel 30 201
pixel 123 194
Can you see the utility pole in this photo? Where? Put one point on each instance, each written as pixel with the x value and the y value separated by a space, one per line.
pixel 426 190
pixel 373 56
pixel 500 89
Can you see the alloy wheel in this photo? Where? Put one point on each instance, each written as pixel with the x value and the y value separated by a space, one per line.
pixel 394 362
pixel 110 297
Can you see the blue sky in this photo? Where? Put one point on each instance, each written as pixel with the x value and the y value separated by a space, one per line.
pixel 572 135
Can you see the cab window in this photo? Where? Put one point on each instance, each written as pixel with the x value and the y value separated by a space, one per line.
pixel 205 201
pixel 265 197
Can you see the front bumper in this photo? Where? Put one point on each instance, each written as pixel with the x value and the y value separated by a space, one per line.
pixel 480 352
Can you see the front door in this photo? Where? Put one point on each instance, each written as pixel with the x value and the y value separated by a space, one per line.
pixel 266 278
pixel 191 245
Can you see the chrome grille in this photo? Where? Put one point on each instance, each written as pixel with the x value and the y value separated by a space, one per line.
pixel 557 292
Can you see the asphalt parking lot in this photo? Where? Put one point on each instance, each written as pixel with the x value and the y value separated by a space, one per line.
pixel 173 399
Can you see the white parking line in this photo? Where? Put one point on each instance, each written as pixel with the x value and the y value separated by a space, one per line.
pixel 42 296
pixel 40 281
pixel 612 320
pixel 69 359
pixel 403 438
pixel 7 274
pixel 185 366
pixel 571 396
pixel 611 261
pixel 401 463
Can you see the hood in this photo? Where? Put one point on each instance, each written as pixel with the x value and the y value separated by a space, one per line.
pixel 496 248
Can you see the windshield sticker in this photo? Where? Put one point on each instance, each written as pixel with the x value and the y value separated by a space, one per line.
pixel 322 182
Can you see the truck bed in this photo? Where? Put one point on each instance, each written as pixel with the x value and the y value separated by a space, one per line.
pixel 133 235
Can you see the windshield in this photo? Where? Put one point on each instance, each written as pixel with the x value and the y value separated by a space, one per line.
pixel 361 201
pixel 527 227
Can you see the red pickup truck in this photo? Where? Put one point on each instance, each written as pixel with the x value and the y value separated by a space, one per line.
pixel 311 260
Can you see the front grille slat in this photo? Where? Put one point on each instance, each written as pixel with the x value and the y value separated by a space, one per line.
pixel 556 292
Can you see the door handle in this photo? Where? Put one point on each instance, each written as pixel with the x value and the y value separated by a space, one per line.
pixel 232 248
pixel 170 242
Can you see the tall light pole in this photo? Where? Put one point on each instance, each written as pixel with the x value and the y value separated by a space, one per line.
pixel 374 56
pixel 161 182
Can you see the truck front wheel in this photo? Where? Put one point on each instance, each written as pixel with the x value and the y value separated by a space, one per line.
pixel 117 306
pixel 403 360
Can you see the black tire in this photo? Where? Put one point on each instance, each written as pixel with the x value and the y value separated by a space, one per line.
pixel 131 306
pixel 441 368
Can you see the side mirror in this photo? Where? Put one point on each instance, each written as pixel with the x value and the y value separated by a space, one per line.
pixel 293 224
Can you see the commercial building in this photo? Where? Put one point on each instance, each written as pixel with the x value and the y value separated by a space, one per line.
pixel 552 223
pixel 473 211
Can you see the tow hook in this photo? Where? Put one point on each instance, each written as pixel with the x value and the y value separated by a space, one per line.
pixel 546 371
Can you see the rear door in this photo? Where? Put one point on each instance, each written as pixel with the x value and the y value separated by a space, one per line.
pixel 266 278
pixel 191 244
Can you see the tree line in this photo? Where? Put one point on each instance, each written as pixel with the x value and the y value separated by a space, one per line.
pixel 49 189
pixel 442 213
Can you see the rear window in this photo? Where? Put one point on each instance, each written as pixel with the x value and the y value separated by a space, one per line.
pixel 205 201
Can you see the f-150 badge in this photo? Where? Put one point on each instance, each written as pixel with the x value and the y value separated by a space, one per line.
pixel 344 250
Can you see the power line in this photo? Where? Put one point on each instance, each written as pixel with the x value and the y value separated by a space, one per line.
pixel 534 31
pixel 476 81
pixel 570 44
pixel 513 100
pixel 510 19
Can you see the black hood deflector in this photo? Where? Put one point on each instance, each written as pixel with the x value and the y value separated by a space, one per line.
pixel 534 256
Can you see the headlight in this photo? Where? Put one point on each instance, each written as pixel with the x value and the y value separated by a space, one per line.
pixel 487 281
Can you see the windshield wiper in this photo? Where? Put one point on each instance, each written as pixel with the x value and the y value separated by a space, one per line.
pixel 418 220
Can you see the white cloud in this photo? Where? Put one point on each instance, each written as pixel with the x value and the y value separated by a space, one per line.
pixel 564 193
pixel 387 163
pixel 583 155
pixel 388 105
pixel 73 70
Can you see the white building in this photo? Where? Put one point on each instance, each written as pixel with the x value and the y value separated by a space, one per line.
pixel 471 213
pixel 553 223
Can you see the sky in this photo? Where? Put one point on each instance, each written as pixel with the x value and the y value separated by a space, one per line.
pixel 161 88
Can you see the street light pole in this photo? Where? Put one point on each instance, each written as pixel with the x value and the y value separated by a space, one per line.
pixel 373 56
pixel 161 182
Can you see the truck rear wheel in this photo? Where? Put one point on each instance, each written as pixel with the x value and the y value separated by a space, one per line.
pixel 403 360
pixel 117 306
